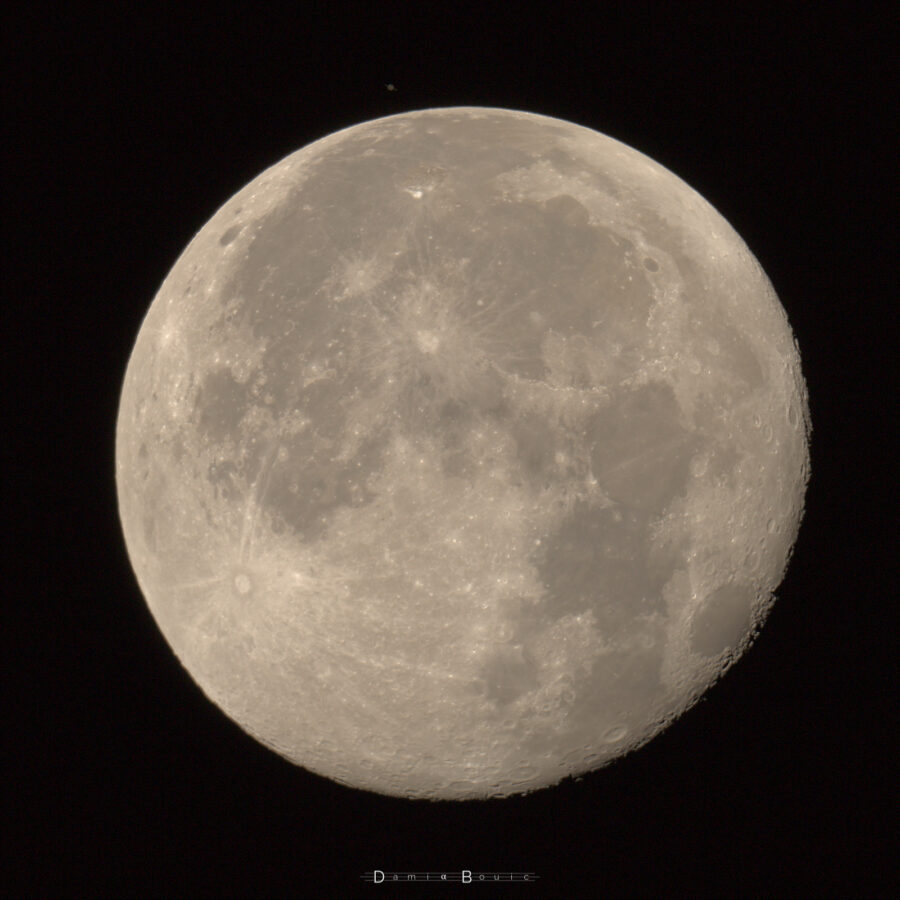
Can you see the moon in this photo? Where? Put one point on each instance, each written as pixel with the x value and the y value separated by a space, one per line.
pixel 460 452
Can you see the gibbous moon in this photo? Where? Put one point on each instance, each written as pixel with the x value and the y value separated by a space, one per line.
pixel 460 452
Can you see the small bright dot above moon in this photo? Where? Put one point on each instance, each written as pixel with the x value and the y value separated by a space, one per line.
pixel 460 452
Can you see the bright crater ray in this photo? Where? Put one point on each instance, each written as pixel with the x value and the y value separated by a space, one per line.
pixel 461 451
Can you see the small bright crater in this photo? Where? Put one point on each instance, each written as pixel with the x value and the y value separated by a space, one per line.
pixel 242 583
pixel 427 341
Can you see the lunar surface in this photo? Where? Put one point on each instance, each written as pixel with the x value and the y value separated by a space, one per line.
pixel 460 452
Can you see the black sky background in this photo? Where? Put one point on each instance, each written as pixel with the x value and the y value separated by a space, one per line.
pixel 124 133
